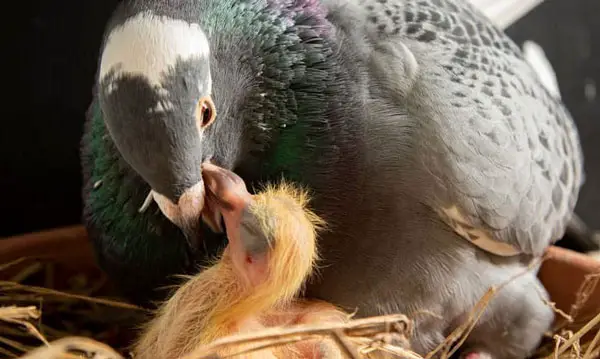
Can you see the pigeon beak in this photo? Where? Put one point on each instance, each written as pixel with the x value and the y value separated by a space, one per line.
pixel 186 213
pixel 219 194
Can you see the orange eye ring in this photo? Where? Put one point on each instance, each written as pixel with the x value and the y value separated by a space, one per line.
pixel 205 112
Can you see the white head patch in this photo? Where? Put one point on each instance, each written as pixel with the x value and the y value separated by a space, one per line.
pixel 150 45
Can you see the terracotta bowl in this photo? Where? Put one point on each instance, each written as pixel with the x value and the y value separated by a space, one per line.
pixel 562 273
pixel 66 248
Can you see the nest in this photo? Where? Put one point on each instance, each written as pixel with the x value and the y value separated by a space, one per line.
pixel 82 321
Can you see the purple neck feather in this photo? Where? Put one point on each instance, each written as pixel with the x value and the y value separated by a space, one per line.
pixel 306 12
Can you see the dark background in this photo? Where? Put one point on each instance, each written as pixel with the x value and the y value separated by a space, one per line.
pixel 52 62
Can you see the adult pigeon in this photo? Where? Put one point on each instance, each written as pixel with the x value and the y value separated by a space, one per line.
pixel 439 160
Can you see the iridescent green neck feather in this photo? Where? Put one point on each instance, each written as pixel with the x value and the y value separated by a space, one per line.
pixel 289 47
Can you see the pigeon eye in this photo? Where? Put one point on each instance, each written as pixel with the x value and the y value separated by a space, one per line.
pixel 205 112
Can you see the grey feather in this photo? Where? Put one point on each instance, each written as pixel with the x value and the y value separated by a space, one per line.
pixel 505 151
pixel 467 144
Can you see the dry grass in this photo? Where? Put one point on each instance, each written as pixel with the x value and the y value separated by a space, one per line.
pixel 32 313
pixel 567 334
pixel 26 330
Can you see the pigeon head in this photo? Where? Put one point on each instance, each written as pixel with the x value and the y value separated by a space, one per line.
pixel 155 93
pixel 196 82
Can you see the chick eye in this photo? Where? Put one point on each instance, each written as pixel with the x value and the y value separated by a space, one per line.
pixel 205 112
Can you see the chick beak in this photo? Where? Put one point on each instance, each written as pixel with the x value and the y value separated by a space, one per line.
pixel 226 194
pixel 211 215
pixel 186 213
